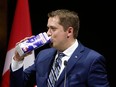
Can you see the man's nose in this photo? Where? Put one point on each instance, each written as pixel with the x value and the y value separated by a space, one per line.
pixel 49 32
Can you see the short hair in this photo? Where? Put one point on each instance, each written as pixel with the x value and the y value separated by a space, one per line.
pixel 67 19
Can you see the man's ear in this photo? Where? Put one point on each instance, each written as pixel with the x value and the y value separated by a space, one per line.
pixel 69 32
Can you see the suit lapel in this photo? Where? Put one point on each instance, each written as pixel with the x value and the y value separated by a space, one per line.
pixel 73 59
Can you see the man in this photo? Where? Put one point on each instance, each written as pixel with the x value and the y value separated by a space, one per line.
pixel 80 66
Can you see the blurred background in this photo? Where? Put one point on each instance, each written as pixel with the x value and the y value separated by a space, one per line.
pixel 3 33
pixel 96 26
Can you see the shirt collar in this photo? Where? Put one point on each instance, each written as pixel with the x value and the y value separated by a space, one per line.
pixel 71 49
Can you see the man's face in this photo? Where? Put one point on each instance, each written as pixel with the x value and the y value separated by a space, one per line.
pixel 57 33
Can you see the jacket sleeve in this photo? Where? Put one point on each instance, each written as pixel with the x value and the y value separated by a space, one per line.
pixel 22 78
pixel 98 76
pixel 16 78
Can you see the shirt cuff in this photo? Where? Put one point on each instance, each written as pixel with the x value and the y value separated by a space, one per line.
pixel 15 65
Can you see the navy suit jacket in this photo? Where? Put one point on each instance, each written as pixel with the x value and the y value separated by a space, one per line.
pixel 85 68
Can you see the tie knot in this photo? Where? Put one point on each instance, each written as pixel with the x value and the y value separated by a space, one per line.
pixel 60 55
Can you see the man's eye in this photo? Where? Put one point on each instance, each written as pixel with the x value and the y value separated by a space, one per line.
pixel 53 29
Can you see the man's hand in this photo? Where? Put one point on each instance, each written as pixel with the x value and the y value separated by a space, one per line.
pixel 17 57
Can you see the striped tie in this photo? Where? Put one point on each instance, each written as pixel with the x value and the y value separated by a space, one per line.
pixel 55 70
